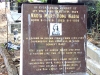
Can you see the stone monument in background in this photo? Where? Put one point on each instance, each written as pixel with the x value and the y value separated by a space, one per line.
pixel 53 39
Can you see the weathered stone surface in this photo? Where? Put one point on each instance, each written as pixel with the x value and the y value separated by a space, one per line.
pixel 69 74
pixel 2 66
pixel 93 66
pixel 11 69
pixel 1 60
pixel 3 70
pixel 93 52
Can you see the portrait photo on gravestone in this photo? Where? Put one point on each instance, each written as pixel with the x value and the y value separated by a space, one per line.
pixel 55 29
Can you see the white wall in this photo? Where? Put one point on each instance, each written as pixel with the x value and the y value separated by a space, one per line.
pixel 2 5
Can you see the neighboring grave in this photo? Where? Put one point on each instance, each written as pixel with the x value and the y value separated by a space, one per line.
pixel 54 39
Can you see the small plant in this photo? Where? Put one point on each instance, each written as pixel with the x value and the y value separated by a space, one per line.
pixel 30 1
pixel 2 45
pixel 21 1
pixel 94 15
pixel 98 15
pixel 44 1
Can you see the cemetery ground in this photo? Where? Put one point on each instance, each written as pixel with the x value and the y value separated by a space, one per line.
pixel 12 57
pixel 94 38
pixel 3 37
pixel 9 59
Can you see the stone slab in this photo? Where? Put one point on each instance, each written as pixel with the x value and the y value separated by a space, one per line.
pixel 93 52
pixel 11 69
pixel 68 74
pixel 93 66
pixel 53 38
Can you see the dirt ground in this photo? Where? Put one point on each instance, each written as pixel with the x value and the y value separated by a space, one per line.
pixel 94 41
pixel 3 24
pixel 3 39
pixel 3 32
pixel 3 70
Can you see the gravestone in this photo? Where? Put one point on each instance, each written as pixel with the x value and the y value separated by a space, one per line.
pixel 53 39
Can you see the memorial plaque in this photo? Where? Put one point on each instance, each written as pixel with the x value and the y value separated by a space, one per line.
pixel 53 39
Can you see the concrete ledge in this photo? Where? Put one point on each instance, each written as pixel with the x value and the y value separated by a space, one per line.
pixel 93 52
pixel 93 66
pixel 8 62
pixel 93 62
pixel 79 73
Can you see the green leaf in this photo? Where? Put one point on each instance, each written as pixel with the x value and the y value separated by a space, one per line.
pixel 30 1
pixel 19 1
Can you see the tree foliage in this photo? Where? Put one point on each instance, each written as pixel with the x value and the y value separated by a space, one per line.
pixel 94 13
